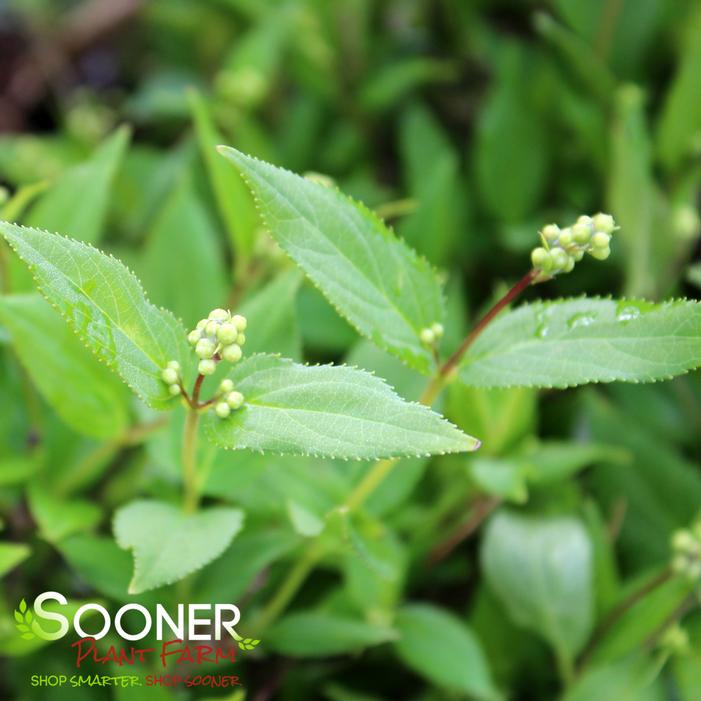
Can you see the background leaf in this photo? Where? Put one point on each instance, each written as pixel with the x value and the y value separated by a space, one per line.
pixel 319 634
pixel 169 544
pixel 541 570
pixel 76 205
pixel 84 393
pixel 443 649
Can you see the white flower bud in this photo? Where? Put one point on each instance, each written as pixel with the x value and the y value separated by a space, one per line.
pixel 693 570
pixel 241 339
pixel 581 233
pixel 600 240
pixel 174 390
pixel 206 367
pixel 212 328
pixel 566 238
pixel 584 219
pixel 604 223
pixel 204 348
pixel 235 400
pixel 227 333
pixel 173 365
pixel 600 253
pixel 559 258
pixel 679 564
pixel 169 376
pixel 437 329
pixel 202 324
pixel 540 257
pixel 683 541
pixel 218 315
pixel 222 409
pixel 226 386
pixel 240 322
pixel 550 232
pixel 427 336
pixel 569 266
pixel 232 353
pixel 193 337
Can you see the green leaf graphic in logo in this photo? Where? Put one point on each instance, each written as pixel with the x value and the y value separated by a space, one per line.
pixel 23 618
pixel 244 643
pixel 248 643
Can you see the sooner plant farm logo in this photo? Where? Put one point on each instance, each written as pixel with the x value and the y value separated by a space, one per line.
pixel 192 622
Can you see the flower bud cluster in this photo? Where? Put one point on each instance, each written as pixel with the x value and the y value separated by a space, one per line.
pixel 562 248
pixel 172 377
pixel 218 337
pixel 686 546
pixel 431 334
pixel 228 399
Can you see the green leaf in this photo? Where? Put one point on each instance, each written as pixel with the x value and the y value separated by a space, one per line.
pixel 228 577
pixel 501 417
pixel 444 650
pixel 631 679
pixel 235 203
pixel 374 569
pixel 386 86
pixel 272 320
pixel 76 205
pixel 320 634
pixel 303 520
pixel 680 124
pixel 541 570
pixel 581 58
pixel 84 393
pixel 640 622
pixel 15 470
pixel 376 282
pixel 105 305
pixel 194 280
pixel 572 342
pixel 102 564
pixel 328 411
pixel 169 544
pixel 58 518
pixel 511 147
pixel 634 199
pixel 11 554
pixel 501 478
pixel 432 168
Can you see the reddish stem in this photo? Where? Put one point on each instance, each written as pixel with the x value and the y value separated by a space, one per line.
pixel 509 297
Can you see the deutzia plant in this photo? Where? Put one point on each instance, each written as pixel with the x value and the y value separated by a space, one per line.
pixel 225 390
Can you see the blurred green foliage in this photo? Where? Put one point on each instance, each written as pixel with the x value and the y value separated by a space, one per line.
pixel 467 125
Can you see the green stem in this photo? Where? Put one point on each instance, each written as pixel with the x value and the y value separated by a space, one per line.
pixel 381 469
pixel 565 667
pixel 310 556
pixel 372 480
pixel 615 615
pixel 4 269
pixel 191 488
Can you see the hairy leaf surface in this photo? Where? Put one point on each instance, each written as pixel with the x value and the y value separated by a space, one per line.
pixel 169 544
pixel 576 341
pixel 105 305
pixel 373 279
pixel 329 411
